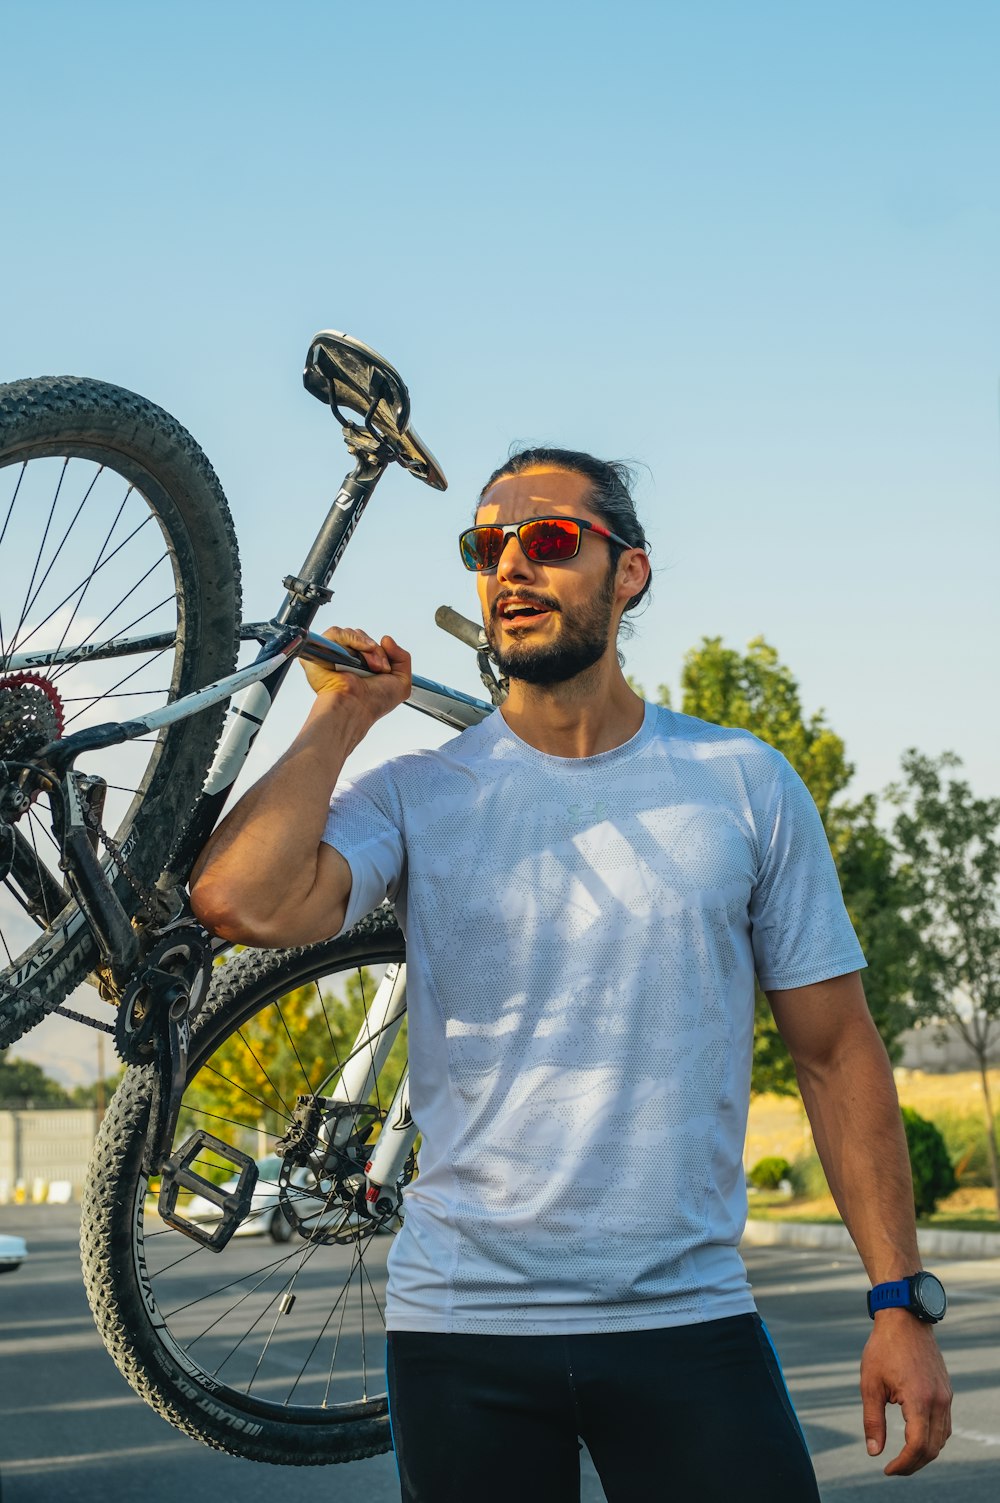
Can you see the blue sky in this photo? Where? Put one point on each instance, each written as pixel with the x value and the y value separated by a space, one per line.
pixel 753 247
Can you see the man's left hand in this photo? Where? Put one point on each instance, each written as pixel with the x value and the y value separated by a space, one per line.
pixel 902 1364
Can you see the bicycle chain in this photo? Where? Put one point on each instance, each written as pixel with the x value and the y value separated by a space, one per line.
pixel 146 895
pixel 82 1017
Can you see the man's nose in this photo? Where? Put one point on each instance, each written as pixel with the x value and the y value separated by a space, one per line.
pixel 513 562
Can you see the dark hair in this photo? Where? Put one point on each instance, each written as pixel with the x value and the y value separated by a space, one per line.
pixel 610 494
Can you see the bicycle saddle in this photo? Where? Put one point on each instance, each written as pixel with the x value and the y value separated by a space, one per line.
pixel 344 373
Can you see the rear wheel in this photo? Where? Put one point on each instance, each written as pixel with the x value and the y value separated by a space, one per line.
pixel 272 1352
pixel 113 526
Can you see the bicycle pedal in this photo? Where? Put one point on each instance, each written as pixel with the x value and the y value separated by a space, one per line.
pixel 177 1175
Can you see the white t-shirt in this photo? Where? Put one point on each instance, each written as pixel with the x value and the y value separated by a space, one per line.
pixel 582 936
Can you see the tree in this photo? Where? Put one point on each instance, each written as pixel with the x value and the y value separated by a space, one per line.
pixel 296 1047
pixel 949 874
pixel 931 1168
pixel 21 1081
pixel 759 693
pixel 875 896
pixel 98 1092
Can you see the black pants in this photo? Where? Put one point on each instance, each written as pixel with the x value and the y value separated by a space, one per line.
pixel 690 1414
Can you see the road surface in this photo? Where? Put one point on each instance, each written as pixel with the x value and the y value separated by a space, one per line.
pixel 72 1430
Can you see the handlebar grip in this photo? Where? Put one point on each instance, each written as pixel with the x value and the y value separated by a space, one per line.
pixel 461 627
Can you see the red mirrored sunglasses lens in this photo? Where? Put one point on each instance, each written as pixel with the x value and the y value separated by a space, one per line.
pixel 549 540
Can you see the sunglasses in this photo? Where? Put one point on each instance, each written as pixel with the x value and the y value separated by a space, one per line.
pixel 543 540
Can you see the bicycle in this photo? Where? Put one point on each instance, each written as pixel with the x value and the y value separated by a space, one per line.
pixel 256 1360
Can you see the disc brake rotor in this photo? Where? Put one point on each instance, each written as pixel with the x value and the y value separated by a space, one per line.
pixel 322 1193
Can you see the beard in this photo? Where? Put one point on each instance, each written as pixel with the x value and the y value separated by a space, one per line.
pixel 583 641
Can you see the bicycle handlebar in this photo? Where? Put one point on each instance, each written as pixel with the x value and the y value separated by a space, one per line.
pixel 461 627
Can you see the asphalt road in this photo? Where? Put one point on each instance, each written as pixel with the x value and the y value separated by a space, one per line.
pixel 71 1429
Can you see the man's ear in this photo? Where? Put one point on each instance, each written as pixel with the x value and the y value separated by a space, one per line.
pixel 633 571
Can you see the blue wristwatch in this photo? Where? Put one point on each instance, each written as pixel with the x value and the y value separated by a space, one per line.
pixel 922 1294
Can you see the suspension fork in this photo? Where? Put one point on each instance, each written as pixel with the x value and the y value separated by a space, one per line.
pixel 356 1082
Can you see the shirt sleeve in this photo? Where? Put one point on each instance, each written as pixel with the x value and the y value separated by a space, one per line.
pixel 365 826
pixel 800 929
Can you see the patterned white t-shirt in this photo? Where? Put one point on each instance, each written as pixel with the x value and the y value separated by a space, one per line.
pixel 582 936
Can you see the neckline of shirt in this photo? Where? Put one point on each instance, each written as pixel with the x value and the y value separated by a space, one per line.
pixel 599 759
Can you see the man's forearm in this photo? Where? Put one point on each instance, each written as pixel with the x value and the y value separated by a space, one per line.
pixel 854 1114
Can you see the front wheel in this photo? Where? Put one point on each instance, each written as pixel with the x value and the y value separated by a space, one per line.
pixel 276 1353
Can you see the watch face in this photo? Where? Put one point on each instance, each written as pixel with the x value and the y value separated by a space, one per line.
pixel 929 1294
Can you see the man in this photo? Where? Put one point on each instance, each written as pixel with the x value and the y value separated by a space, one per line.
pixel 587 884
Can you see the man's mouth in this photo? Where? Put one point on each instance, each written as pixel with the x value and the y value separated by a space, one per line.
pixel 519 612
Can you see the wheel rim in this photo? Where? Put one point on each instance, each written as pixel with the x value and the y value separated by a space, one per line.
pixel 81 538
pixel 227 1317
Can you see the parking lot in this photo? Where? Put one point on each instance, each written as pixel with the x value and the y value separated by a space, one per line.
pixel 73 1430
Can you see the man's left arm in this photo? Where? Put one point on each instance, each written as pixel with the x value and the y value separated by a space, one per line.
pixel 850 1097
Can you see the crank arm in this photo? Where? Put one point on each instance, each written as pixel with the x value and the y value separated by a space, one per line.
pixel 170 1078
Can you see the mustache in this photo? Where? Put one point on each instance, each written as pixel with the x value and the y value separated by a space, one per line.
pixel 523 597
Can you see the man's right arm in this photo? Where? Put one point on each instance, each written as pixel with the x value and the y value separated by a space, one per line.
pixel 266 877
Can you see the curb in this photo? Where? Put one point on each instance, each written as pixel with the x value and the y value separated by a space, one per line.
pixel 838 1238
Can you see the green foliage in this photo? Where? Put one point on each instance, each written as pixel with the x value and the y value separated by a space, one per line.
pixel 949 876
pixel 21 1082
pixel 773 1071
pixel 965 1142
pixel 768 1173
pixel 757 691
pixel 807 1177
pixel 296 1047
pixel 875 898
pixel 933 1174
pixel 98 1092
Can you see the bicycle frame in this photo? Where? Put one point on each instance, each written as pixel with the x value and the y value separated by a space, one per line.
pixel 252 691
pixel 164 1002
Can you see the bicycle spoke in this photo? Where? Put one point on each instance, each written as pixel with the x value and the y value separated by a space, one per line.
pixel 41 550
pixel 73 520
pixel 141 669
pixel 119 631
pixel 3 534
pixel 294 1329
pixel 54 610
pixel 298 1058
pixel 87 582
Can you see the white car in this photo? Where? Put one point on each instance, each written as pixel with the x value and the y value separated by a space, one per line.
pixel 13 1251
pixel 265 1214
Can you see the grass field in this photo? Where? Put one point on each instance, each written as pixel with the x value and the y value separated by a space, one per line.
pixel 778 1126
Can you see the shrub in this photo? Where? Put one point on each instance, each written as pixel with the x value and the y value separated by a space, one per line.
pixel 808 1179
pixel 768 1173
pixel 965 1139
pixel 933 1175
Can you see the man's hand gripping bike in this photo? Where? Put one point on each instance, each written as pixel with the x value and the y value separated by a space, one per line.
pixel 266 1090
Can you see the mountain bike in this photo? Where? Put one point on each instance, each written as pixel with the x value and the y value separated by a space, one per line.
pixel 266 1091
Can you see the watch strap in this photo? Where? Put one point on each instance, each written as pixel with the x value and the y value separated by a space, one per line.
pixel 886 1296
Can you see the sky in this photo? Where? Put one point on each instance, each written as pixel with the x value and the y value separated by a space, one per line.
pixel 752 248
